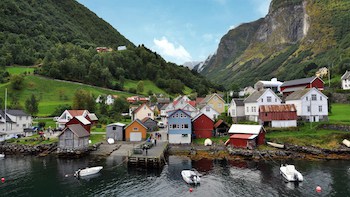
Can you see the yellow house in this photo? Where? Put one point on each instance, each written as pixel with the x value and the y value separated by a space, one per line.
pixel 215 101
pixel 142 112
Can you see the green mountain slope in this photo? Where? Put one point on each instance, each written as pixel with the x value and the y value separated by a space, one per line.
pixel 294 40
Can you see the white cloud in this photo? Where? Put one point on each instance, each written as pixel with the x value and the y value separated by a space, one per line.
pixel 178 53
pixel 232 27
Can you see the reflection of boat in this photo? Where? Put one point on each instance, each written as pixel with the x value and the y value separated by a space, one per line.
pixel 87 171
pixel 190 176
pixel 290 173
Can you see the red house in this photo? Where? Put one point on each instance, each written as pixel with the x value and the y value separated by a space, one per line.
pixel 202 126
pixel 80 120
pixel 246 136
pixel 278 115
pixel 289 87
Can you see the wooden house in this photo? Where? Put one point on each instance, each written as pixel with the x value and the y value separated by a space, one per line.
pixel 215 101
pixel 73 137
pixel 345 81
pixel 80 120
pixel 142 112
pixel 135 131
pixel 246 136
pixel 210 112
pixel 203 126
pixel 236 110
pixel 289 87
pixel 115 131
pixel 278 115
pixel 92 118
pixel 179 127
pixel 221 128
pixel 151 124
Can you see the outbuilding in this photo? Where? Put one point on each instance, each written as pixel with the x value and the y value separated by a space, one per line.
pixel 80 120
pixel 203 126
pixel 246 136
pixel 278 115
pixel 115 131
pixel 73 137
pixel 135 131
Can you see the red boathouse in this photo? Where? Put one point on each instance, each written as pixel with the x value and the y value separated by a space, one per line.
pixel 246 136
pixel 202 126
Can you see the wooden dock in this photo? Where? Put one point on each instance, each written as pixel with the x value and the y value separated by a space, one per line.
pixel 153 158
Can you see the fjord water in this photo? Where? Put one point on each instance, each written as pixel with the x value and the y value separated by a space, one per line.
pixel 33 176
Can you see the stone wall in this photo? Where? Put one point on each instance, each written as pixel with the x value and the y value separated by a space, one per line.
pixel 14 149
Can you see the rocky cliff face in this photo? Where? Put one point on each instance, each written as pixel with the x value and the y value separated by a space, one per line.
pixel 292 35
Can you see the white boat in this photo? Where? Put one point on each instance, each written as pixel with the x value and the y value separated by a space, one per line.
pixel 87 171
pixel 191 177
pixel 2 155
pixel 290 173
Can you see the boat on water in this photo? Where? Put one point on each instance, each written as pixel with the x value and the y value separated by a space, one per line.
pixel 87 171
pixel 2 155
pixel 190 176
pixel 290 173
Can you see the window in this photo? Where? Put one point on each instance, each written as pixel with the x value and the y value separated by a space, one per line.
pixel 233 112
pixel 313 97
pixel 269 99
pixel 308 108
pixel 174 126
pixel 186 126
pixel 276 100
pixel 247 109
pixel 207 109
pixel 320 108
pixel 181 115
pixel 265 114
pixel 20 118
pixel 170 126
pixel 24 125
pixel 144 107
pixel 176 115
pixel 307 98
pixel 220 105
pixel 262 100
pixel 27 117
pixel 320 98
pixel 114 128
pixel 184 135
pixel 135 129
pixel 149 114
pixel 178 126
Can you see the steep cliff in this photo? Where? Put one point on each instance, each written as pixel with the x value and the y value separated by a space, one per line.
pixel 293 35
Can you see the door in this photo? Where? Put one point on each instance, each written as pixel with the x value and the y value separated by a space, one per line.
pixel 135 136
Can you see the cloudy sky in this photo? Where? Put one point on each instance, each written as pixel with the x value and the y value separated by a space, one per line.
pixel 179 30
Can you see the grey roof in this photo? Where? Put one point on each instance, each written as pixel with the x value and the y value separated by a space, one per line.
pixel 137 120
pixel 164 107
pixel 298 81
pixel 239 102
pixel 92 117
pixel 297 94
pixel 2 114
pixel 16 112
pixel 254 96
pixel 116 124
pixel 77 129
pixel 346 75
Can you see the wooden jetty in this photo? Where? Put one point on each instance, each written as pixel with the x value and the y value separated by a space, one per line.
pixel 153 158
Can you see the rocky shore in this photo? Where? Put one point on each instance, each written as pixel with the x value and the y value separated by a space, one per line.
pixel 21 149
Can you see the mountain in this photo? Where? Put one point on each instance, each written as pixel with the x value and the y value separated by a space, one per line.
pixel 295 39
pixel 192 64
pixel 61 36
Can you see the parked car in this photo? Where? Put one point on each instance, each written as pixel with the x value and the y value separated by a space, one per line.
pixel 161 125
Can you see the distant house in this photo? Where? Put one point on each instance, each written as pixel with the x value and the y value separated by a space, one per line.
pixel 134 99
pixel 345 81
pixel 246 91
pixel 80 120
pixel 17 121
pixel 215 101
pixel 92 118
pixel 258 98
pixel 179 127
pixel 236 110
pixel 121 48
pixel 289 87
pixel 278 115
pixel 274 85
pixel 135 131
pixel 322 72
pixel 155 110
pixel 115 131
pixel 142 112
pixel 73 137
pixel 108 100
pixel 151 124
pixel 203 126
pixel 190 108
pixel 103 49
pixel 163 100
pixel 69 114
pixel 210 112
pixel 311 104
pixel 221 128
pixel 246 136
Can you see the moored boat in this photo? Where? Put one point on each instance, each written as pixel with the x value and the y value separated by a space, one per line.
pixel 290 173
pixel 2 155
pixel 191 177
pixel 87 171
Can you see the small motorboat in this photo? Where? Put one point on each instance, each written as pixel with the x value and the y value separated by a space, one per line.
pixel 190 176
pixel 87 171
pixel 2 155
pixel 290 173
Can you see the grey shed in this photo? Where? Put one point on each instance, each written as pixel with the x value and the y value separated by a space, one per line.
pixel 116 131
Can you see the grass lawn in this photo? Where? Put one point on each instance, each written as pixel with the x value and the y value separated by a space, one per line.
pixel 51 93
pixel 33 140
pixel 96 138
pixel 148 85
pixel 340 114
pixel 308 135
pixel 49 122
pixel 16 70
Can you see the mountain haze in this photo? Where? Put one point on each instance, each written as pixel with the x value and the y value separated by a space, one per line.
pixel 295 39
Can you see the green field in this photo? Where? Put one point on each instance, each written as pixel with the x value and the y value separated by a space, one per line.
pixel 148 85
pixel 16 70
pixel 340 114
pixel 52 93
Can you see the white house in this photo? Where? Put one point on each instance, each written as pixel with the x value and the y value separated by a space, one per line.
pixel 345 81
pixel 13 123
pixel 109 99
pixel 311 104
pixel 189 108
pixel 67 115
pixel 246 91
pixel 236 109
pixel 210 112
pixel 253 102
pixel 274 85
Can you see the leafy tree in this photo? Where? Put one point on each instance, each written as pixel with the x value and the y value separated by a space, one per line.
pixel 32 104
pixel 140 87
pixel 83 100
pixel 119 106
pixel 60 109
pixel 17 82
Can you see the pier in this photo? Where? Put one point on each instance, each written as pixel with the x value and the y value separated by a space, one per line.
pixel 152 158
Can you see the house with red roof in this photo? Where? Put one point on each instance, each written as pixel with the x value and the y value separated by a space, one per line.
pixel 289 87
pixel 67 115
pixel 80 120
pixel 246 136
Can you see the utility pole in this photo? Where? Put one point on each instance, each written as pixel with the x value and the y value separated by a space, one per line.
pixel 5 109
